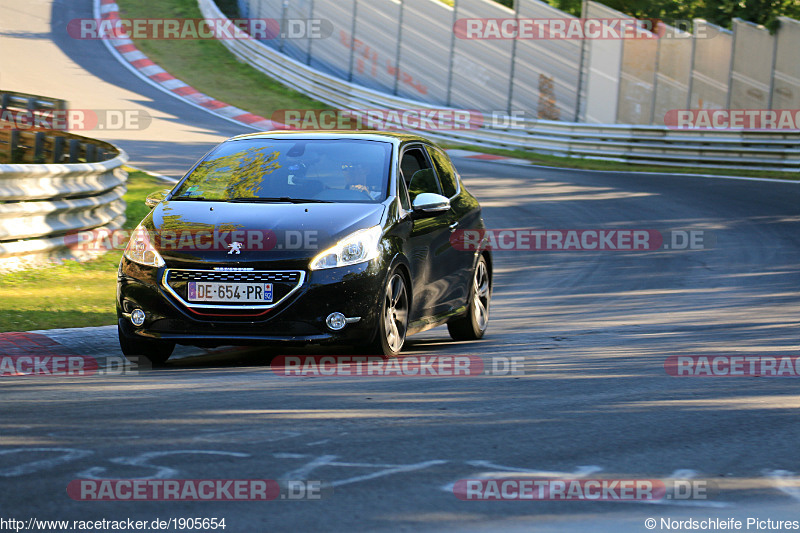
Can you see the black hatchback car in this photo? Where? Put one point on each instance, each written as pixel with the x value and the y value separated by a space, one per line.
pixel 306 238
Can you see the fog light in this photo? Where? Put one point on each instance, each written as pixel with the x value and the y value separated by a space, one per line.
pixel 336 321
pixel 137 317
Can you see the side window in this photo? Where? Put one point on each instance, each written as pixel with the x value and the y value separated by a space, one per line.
pixel 418 173
pixel 403 193
pixel 412 161
pixel 444 168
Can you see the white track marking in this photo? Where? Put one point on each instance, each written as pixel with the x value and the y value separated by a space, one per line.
pixel 303 471
pixel 255 435
pixel 69 454
pixel 580 472
pixel 329 460
pixel 781 478
pixel 289 455
pixel 683 473
pixel 162 472
pixel 396 470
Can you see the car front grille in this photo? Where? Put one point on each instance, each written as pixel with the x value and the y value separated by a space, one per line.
pixel 284 283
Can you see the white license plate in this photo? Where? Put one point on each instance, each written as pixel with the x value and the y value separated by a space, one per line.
pixel 201 291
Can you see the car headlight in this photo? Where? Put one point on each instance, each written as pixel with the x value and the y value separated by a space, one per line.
pixel 141 250
pixel 358 247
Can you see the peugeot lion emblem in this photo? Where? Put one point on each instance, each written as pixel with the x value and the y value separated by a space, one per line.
pixel 236 248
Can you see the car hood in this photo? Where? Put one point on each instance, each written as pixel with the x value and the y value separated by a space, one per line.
pixel 191 231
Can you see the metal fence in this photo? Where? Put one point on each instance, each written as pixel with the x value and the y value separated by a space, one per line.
pixel 54 184
pixel 408 48
pixel 653 145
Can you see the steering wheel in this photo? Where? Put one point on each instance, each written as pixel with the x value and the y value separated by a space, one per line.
pixel 362 190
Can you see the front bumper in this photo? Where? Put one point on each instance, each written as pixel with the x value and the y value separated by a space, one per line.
pixel 298 319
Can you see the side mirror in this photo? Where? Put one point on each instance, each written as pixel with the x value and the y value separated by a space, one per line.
pixel 428 203
pixel 155 198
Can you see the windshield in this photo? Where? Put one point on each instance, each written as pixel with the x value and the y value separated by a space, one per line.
pixel 283 170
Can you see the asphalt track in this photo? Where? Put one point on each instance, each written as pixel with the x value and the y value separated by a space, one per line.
pixel 595 329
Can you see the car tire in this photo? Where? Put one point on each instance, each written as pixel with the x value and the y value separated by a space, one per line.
pixel 157 352
pixel 392 324
pixel 472 326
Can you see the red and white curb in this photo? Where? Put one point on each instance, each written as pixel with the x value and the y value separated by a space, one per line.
pixel 130 56
pixel 98 344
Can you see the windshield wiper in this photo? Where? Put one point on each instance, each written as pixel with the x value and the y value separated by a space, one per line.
pixel 272 199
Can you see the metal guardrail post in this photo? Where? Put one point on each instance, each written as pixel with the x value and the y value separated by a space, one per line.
pixel 581 61
pixel 58 149
pixel 728 94
pixel 91 153
pixel 397 56
pixel 284 17
pixel 513 62
pixel 775 40
pixel 691 66
pixel 38 147
pixel 13 146
pixel 452 52
pixel 74 150
pixel 352 41
pixel 310 39
pixel 654 93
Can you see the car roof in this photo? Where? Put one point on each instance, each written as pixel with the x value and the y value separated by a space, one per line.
pixel 367 135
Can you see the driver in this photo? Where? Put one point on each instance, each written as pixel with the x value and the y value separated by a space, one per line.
pixel 355 176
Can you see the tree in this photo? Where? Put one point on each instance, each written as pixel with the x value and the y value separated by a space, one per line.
pixel 719 12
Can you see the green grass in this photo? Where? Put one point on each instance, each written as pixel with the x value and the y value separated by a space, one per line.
pixel 71 294
pixel 208 66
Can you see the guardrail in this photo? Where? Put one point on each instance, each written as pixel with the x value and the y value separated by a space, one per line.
pixel 646 145
pixel 29 102
pixel 63 183
pixel 23 146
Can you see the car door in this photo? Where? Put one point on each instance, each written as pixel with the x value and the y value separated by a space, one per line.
pixel 464 214
pixel 429 250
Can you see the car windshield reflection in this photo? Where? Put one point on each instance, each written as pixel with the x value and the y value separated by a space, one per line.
pixel 296 171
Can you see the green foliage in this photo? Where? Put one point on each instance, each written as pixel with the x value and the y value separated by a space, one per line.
pixel 229 7
pixel 238 175
pixel 720 12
